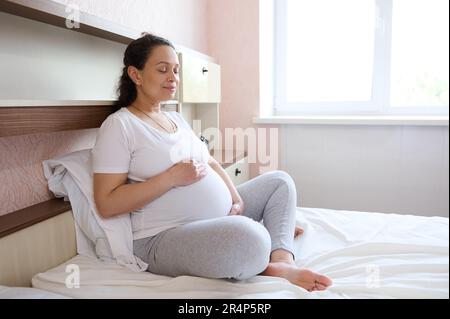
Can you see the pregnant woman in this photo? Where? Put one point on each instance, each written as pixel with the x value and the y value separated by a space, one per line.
pixel 187 216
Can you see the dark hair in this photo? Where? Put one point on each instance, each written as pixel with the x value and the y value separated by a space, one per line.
pixel 136 55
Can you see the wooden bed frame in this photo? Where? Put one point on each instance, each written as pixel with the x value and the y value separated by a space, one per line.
pixel 41 236
pixel 34 240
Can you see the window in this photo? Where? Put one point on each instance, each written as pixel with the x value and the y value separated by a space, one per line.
pixel 361 57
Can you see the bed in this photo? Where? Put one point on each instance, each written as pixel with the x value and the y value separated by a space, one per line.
pixel 28 293
pixel 368 255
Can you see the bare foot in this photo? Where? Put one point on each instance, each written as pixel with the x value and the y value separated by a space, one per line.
pixel 298 231
pixel 301 277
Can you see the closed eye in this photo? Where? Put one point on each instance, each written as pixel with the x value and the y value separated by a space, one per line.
pixel 164 71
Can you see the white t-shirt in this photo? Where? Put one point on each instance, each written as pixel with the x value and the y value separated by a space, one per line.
pixel 127 144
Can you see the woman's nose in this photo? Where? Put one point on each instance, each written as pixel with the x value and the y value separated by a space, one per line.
pixel 172 78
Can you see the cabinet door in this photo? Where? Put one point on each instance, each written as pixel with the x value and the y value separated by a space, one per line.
pixel 200 80
pixel 213 83
pixel 239 172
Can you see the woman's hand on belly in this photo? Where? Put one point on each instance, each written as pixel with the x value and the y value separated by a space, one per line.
pixel 187 173
pixel 208 198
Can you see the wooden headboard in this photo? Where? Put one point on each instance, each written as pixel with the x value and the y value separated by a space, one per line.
pixel 20 120
pixel 42 236
pixel 35 239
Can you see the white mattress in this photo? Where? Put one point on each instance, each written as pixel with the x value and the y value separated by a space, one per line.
pixel 27 293
pixel 368 255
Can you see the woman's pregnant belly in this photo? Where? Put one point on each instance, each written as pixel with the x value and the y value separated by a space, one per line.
pixel 208 198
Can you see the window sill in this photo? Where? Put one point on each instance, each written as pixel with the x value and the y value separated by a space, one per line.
pixel 355 120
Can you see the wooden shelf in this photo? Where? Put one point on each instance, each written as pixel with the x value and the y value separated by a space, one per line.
pixel 55 14
pixel 61 103
pixel 15 221
pixel 44 119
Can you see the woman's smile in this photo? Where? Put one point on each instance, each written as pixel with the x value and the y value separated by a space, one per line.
pixel 172 89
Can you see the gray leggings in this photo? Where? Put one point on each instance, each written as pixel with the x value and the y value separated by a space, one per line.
pixel 235 247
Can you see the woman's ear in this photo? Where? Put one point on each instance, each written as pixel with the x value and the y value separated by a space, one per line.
pixel 134 75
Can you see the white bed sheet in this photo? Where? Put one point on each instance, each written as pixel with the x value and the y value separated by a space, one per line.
pixel 368 255
pixel 27 293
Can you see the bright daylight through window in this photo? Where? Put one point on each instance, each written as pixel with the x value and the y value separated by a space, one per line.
pixel 361 57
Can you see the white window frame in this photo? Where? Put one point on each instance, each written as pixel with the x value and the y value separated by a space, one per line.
pixel 380 103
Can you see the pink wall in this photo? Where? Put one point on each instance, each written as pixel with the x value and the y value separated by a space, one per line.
pixel 23 183
pixel 233 31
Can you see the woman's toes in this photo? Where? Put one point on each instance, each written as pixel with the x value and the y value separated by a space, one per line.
pixel 298 231
pixel 320 287
pixel 324 280
pixel 304 278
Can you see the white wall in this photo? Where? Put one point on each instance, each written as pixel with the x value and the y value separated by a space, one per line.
pixel 183 22
pixel 43 62
pixel 390 169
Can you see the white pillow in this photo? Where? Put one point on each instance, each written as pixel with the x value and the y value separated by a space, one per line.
pixel 70 176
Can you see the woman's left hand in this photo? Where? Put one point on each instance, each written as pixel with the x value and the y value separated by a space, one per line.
pixel 237 208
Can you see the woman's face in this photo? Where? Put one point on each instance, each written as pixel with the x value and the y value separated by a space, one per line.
pixel 159 79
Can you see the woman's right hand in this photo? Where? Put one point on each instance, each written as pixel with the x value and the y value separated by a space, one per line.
pixel 187 173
